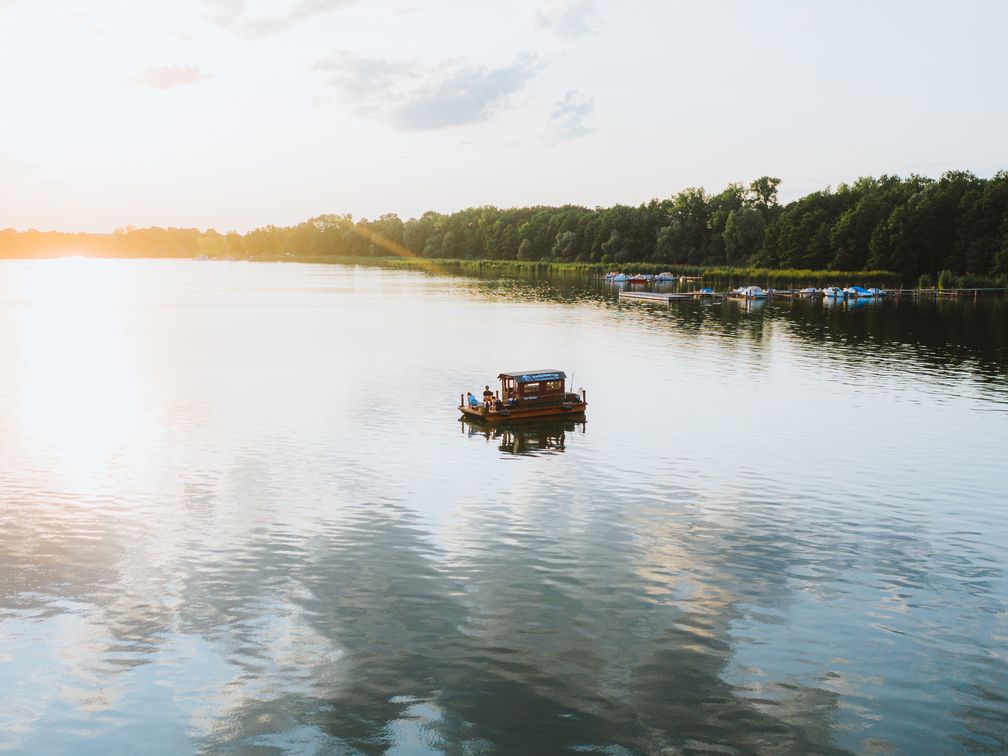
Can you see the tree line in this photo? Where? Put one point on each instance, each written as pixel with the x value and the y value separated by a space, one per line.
pixel 912 226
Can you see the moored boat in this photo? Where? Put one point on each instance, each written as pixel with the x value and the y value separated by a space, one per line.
pixel 526 395
pixel 834 292
pixel 750 292
pixel 858 292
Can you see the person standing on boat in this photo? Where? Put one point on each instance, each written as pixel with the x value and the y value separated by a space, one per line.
pixel 488 397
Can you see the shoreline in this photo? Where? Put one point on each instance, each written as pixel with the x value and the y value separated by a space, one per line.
pixel 769 277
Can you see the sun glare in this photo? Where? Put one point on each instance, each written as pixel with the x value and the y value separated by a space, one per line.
pixel 78 403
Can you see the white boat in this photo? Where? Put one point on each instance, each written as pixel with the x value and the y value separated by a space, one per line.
pixel 751 292
pixel 878 292
pixel 858 292
pixel 834 292
pixel 809 291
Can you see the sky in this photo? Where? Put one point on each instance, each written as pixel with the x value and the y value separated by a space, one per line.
pixel 234 114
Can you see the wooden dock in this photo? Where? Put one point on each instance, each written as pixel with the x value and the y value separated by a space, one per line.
pixel 665 297
pixel 970 292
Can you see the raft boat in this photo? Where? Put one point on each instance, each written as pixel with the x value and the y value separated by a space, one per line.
pixel 527 395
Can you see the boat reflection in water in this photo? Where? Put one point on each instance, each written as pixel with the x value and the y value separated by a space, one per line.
pixel 851 303
pixel 854 303
pixel 749 305
pixel 525 437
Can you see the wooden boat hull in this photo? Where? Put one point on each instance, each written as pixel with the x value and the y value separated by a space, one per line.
pixel 547 411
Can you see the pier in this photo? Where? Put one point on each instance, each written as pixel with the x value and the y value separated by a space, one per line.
pixel 664 297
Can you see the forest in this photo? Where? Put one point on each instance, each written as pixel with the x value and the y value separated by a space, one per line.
pixel 913 226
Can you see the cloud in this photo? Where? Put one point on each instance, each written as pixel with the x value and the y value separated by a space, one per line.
pixel 571 19
pixel 167 77
pixel 234 15
pixel 567 119
pixel 10 163
pixel 412 97
pixel 367 82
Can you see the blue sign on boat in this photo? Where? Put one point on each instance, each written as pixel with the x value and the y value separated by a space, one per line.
pixel 541 377
pixel 531 376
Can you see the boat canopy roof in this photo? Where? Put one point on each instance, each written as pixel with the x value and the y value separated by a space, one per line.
pixel 533 376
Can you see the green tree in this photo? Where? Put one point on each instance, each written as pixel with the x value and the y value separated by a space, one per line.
pixel 211 244
pixel 451 246
pixel 565 247
pixel 743 234
pixel 616 248
pixel 763 192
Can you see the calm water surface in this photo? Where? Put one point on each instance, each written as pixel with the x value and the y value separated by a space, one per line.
pixel 238 513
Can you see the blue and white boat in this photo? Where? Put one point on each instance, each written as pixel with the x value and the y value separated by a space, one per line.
pixel 809 291
pixel 878 292
pixel 834 292
pixel 664 278
pixel 750 292
pixel 858 292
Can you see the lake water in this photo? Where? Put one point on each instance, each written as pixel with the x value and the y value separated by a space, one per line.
pixel 239 513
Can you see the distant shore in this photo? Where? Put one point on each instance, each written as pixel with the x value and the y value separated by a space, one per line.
pixel 915 232
pixel 533 268
pixel 723 275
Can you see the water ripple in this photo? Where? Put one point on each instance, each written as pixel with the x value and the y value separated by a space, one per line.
pixel 780 530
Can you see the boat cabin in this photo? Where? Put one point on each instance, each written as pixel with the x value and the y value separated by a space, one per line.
pixel 533 386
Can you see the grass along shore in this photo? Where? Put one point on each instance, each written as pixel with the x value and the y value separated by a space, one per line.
pixel 720 275
pixel 547 268
pixel 717 276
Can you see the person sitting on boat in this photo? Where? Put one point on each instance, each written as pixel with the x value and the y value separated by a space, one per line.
pixel 471 400
pixel 488 397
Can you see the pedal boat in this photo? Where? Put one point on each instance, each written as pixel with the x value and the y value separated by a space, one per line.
pixel 528 395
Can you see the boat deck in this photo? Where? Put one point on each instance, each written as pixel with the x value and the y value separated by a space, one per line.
pixel 528 412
